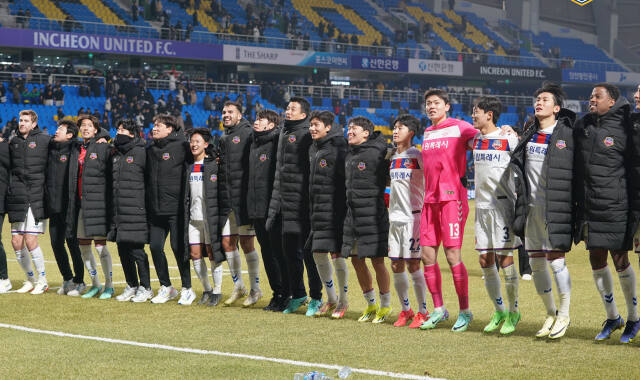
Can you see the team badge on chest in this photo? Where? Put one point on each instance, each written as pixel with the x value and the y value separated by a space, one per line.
pixel 93 156
pixel 213 178
pixel 292 138
pixel 32 145
pixel 608 141
pixel 129 160
pixel 166 156
pixel 323 163
pixel 561 144
pixel 362 165
pixel 236 139
pixel 263 157
pixel 63 158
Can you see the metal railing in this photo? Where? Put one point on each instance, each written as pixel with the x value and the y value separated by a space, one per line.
pixel 229 88
pixel 44 78
pixel 313 45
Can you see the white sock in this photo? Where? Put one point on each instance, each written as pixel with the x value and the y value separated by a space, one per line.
pixel 200 267
pixel 216 274
pixel 253 267
pixel 370 297
pixel 563 282
pixel 628 284
pixel 420 289
pixel 90 264
pixel 325 271
pixel 401 283
pixel 385 299
pixel 493 286
pixel 235 267
pixel 342 275
pixel 604 285
pixel 511 279
pixel 107 266
pixel 22 256
pixel 38 262
pixel 542 282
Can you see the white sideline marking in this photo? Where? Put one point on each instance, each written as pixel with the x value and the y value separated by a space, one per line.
pixel 218 353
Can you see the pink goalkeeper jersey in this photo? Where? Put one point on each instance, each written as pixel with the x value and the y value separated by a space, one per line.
pixel 445 160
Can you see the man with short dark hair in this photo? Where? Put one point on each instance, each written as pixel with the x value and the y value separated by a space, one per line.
pixel 290 204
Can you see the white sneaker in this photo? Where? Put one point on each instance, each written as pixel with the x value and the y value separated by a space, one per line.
pixel 77 290
pixel 526 277
pixel 41 286
pixel 27 286
pixel 254 296
pixel 187 296
pixel 165 294
pixel 127 295
pixel 65 288
pixel 142 295
pixel 560 327
pixel 236 294
pixel 5 286
pixel 546 327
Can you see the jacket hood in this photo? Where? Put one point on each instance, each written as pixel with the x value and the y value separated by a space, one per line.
pixel 565 116
pixel 376 141
pixel 336 132
pixel 61 145
pixel 261 137
pixel 241 124
pixel 173 136
pixel 103 133
pixel 293 125
pixel 619 112
pixel 124 148
pixel 35 131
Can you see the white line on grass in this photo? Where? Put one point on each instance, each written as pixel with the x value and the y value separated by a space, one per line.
pixel 218 353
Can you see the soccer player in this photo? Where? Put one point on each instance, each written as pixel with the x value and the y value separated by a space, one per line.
pixel 602 202
pixel 366 224
pixel 405 204
pixel 445 209
pixel 58 203
pixel 129 227
pixel 495 201
pixel 327 206
pixel 167 156
pixel 26 198
pixel 290 205
pixel 202 214
pixel 262 169
pixel 88 212
pixel 234 175
pixel 543 164
pixel 5 168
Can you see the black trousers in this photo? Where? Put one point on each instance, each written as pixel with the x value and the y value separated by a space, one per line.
pixel 523 260
pixel 3 255
pixel 132 257
pixel 57 233
pixel 272 257
pixel 297 258
pixel 159 226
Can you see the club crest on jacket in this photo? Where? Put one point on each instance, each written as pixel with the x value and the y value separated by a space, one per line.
pixel 608 141
pixel 166 156
pixel 32 145
pixel 323 163
pixel 561 144
pixel 362 165
pixel 263 157
pixel 213 178
pixel 93 156
pixel 292 138
pixel 63 158
pixel 236 139
pixel 129 159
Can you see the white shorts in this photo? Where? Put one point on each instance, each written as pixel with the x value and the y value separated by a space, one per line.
pixel 199 233
pixel 81 234
pixel 493 233
pixel 232 229
pixel 29 226
pixel 404 239
pixel 536 235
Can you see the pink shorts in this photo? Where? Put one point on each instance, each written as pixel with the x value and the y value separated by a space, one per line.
pixel 443 223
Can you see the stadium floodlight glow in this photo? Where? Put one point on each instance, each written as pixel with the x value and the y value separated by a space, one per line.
pixel 582 2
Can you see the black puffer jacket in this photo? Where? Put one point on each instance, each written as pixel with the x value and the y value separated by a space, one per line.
pixel 58 176
pixel 5 167
pixel 95 200
pixel 327 191
pixel 211 185
pixel 558 169
pixel 234 170
pixel 262 170
pixel 129 220
pixel 367 218
pixel 290 197
pixel 600 187
pixel 166 163
pixel 27 186
pixel 633 173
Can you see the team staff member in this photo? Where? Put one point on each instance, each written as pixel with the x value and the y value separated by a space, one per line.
pixel 129 217
pixel 26 198
pixel 602 202
pixel 234 179
pixel 58 203
pixel 290 203
pixel 90 201
pixel 262 168
pixel 327 196
pixel 366 224
pixel 202 215
pixel 5 167
pixel 167 156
